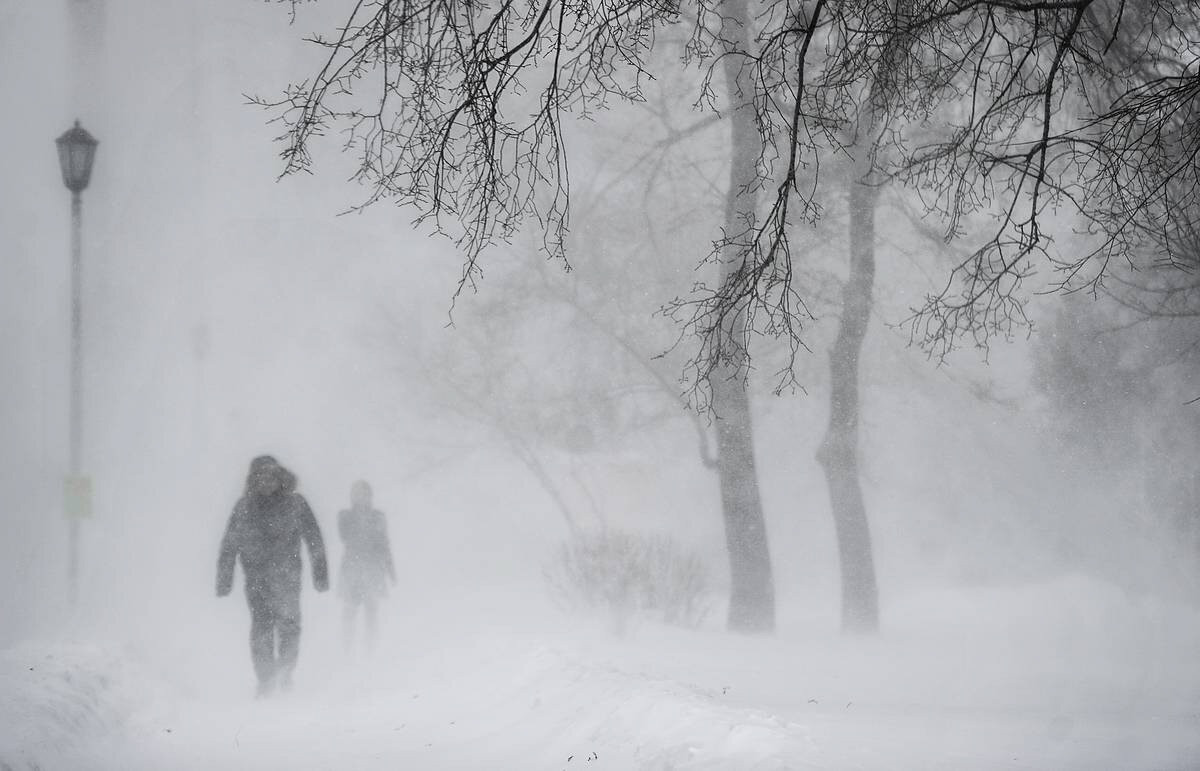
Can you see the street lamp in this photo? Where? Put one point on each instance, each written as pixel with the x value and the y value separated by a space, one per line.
pixel 76 151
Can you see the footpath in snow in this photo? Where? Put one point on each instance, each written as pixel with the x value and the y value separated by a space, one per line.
pixel 1025 696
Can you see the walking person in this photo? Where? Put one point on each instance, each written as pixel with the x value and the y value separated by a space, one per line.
pixel 265 531
pixel 366 562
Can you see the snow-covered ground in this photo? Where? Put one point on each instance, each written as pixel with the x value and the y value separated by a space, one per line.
pixel 1066 674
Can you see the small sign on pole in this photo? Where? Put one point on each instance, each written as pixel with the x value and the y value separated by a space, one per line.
pixel 77 497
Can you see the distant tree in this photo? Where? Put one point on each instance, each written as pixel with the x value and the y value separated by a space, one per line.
pixel 1120 389
pixel 565 374
pixel 483 381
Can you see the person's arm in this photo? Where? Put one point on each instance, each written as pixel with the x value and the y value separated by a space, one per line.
pixel 227 559
pixel 310 531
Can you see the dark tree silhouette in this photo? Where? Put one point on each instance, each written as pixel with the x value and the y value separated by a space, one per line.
pixel 1018 110
pixel 1012 108
pixel 1085 111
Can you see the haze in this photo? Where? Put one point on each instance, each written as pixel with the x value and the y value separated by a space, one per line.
pixel 1038 588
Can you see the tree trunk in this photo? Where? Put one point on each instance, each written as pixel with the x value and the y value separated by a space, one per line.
pixel 752 590
pixel 838 454
pixel 752 587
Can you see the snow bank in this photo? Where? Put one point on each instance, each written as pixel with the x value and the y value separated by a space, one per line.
pixel 58 700
pixel 635 720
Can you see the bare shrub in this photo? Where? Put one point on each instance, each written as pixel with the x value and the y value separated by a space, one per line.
pixel 628 575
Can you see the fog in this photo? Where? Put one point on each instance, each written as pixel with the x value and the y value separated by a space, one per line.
pixel 1038 583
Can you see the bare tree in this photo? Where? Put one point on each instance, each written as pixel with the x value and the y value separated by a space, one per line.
pixel 1117 383
pixel 1004 108
pixel 1086 104
pixel 839 451
pixel 551 396
pixel 1083 108
pixel 439 137
pixel 752 590
pixel 479 381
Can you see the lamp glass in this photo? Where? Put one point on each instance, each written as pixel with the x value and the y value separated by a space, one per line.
pixel 76 152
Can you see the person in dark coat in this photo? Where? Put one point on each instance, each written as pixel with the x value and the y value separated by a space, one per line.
pixel 366 563
pixel 265 532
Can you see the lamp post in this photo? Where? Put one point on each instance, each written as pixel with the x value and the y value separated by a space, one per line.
pixel 76 151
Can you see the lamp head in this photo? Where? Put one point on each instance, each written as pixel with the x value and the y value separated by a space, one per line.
pixel 76 152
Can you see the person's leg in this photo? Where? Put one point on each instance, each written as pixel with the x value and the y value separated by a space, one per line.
pixel 349 606
pixel 370 606
pixel 288 624
pixel 262 642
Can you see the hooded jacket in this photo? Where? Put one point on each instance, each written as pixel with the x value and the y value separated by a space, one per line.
pixel 266 532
